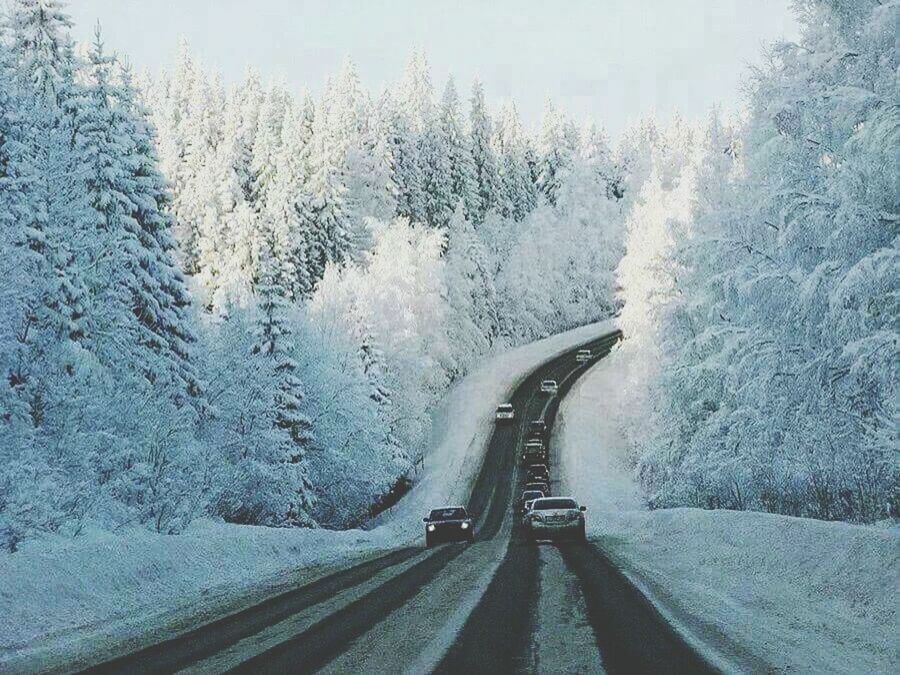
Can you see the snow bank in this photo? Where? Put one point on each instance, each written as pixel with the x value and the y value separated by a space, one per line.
pixel 61 595
pixel 802 595
pixel 100 588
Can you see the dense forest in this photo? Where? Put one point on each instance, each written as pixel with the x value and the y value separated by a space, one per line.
pixel 761 286
pixel 243 302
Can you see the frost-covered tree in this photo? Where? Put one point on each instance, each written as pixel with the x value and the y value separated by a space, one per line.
pixel 557 146
pixel 463 185
pixel 518 194
pixel 160 299
pixel 474 324
pixel 777 390
pixel 487 178
pixel 291 425
pixel 406 167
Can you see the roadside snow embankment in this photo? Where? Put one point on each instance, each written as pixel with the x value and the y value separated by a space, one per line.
pixel 62 599
pixel 802 595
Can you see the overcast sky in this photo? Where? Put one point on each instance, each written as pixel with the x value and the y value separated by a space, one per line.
pixel 611 60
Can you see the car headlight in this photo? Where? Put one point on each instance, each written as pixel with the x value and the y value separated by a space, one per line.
pixel 574 516
pixel 431 528
pixel 536 516
pixel 465 526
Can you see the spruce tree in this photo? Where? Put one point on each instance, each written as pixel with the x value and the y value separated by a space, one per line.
pixel 463 184
pixel 161 300
pixel 487 178
pixel 292 427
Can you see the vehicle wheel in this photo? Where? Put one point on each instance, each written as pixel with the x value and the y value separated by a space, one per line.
pixel 582 535
pixel 428 542
pixel 471 538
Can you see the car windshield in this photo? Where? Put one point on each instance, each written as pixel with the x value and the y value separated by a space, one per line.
pixel 532 494
pixel 537 424
pixel 549 504
pixel 550 382
pixel 505 407
pixel 448 514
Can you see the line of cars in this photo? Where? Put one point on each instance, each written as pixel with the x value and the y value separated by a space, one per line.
pixel 543 515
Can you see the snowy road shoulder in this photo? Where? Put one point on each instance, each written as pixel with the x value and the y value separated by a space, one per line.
pixel 802 595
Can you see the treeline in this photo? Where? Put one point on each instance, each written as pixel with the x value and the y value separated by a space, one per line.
pixel 761 286
pixel 244 304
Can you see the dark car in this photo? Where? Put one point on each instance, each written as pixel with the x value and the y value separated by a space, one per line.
pixel 535 452
pixel 450 523
pixel 537 429
pixel 538 485
pixel 528 496
pixel 537 472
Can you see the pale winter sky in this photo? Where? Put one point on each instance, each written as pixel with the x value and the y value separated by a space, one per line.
pixel 611 60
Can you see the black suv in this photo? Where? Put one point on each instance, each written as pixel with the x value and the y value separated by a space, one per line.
pixel 450 523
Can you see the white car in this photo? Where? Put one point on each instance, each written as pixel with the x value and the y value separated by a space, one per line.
pixel 549 387
pixel 505 412
pixel 583 355
pixel 553 517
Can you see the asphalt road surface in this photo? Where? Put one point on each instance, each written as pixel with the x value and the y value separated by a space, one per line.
pixel 499 605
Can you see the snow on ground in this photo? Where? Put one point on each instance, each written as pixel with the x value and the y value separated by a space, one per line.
pixel 65 595
pixel 75 596
pixel 802 595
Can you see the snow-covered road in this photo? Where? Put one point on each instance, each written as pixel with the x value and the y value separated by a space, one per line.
pixel 413 608
pixel 682 590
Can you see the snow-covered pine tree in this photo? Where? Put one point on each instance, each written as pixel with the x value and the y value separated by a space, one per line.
pixel 39 41
pixel 288 207
pixel 518 195
pixel 160 297
pixel 474 325
pixel 266 144
pixel 487 177
pixel 462 165
pixel 46 199
pixel 596 155
pixel 557 145
pixel 437 186
pixel 406 170
pixel 292 426
pixel 330 239
pixel 415 95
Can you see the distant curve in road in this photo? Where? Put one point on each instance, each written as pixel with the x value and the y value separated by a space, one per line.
pixel 497 636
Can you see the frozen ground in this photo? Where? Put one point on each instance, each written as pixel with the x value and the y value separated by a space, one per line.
pixel 801 595
pixel 80 595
